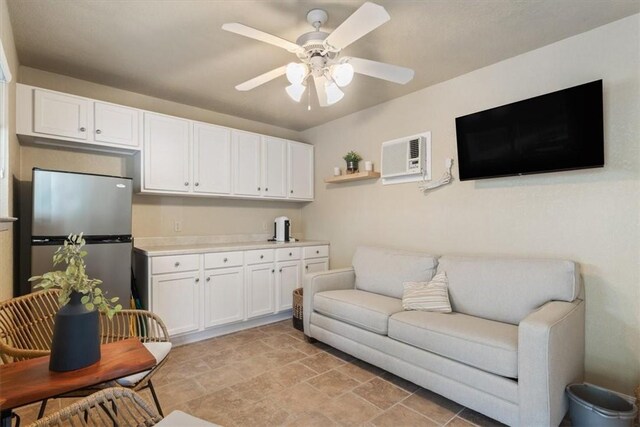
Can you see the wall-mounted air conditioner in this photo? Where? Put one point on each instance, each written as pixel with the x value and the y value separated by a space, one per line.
pixel 407 159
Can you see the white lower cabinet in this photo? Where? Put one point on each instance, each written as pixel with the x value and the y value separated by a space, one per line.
pixel 260 289
pixel 287 279
pixel 315 265
pixel 176 299
pixel 197 292
pixel 223 296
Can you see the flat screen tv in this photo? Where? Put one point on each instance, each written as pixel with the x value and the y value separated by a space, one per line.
pixel 558 131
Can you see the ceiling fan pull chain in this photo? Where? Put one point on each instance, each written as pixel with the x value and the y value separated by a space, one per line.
pixel 308 98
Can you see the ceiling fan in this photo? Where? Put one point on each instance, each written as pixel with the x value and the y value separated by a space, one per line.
pixel 319 55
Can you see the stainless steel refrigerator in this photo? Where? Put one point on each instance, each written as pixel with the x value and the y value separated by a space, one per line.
pixel 98 206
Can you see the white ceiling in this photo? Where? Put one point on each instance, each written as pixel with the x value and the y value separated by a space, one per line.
pixel 175 49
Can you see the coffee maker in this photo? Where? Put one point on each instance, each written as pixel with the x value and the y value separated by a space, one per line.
pixel 282 229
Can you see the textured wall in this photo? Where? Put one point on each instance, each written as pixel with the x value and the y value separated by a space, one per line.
pixel 591 216
pixel 7 235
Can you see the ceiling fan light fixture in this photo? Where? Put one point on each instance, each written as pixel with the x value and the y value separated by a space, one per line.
pixel 295 91
pixel 342 73
pixel 296 72
pixel 334 94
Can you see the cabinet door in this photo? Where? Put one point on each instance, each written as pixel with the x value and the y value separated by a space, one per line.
pixel 166 153
pixel 300 161
pixel 315 265
pixel 60 115
pixel 211 159
pixel 115 124
pixel 224 296
pixel 246 163
pixel 274 167
pixel 287 279
pixel 176 299
pixel 260 289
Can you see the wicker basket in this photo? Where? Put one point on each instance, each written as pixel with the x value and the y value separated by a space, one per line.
pixel 297 309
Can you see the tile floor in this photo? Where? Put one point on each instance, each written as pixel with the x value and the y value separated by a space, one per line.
pixel 270 376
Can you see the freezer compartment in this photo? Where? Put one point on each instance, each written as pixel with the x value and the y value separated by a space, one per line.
pixel 65 202
pixel 109 262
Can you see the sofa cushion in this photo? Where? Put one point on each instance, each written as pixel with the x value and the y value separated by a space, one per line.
pixel 427 296
pixel 484 344
pixel 383 271
pixel 365 310
pixel 507 290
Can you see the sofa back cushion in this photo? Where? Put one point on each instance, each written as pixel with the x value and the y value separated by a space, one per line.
pixel 507 290
pixel 383 271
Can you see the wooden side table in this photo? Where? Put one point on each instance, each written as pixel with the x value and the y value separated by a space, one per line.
pixel 29 381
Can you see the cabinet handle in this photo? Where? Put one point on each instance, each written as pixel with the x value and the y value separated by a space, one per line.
pixel 261 256
pixel 197 280
pixel 306 267
pixel 225 260
pixel 280 271
pixel 317 252
pixel 291 191
pixel 273 271
pixel 177 264
pixel 82 129
pixel 98 131
pixel 186 183
pixel 208 279
pixel 258 188
pixel 266 189
pixel 290 254
pixel 197 184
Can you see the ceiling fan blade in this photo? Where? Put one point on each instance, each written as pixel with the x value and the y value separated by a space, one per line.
pixel 320 90
pixel 252 33
pixel 262 79
pixel 380 70
pixel 364 20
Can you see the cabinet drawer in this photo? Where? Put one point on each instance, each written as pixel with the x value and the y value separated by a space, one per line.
pixel 174 263
pixel 285 254
pixel 223 259
pixel 316 252
pixel 259 256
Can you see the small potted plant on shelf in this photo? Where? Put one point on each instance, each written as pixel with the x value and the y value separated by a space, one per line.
pixel 352 158
pixel 76 330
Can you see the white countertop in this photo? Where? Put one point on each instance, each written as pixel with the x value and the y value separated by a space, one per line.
pixel 197 248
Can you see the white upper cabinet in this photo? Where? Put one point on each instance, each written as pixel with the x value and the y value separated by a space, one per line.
pixel 171 155
pixel 166 153
pixel 274 167
pixel 57 114
pixel 300 174
pixel 211 159
pixel 48 117
pixel 115 124
pixel 246 163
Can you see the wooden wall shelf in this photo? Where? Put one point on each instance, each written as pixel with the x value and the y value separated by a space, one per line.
pixel 352 177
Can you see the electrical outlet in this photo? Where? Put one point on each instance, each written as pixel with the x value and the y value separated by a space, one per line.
pixel 177 226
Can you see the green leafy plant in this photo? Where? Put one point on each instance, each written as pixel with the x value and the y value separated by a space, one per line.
pixel 74 278
pixel 352 156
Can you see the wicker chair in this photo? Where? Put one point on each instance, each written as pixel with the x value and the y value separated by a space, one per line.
pixel 112 406
pixel 26 329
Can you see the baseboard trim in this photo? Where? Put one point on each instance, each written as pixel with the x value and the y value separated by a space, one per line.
pixel 228 329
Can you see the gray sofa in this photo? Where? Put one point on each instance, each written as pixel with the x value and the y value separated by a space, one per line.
pixel 515 338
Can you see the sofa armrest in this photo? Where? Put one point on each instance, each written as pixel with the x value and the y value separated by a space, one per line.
pixel 331 280
pixel 550 356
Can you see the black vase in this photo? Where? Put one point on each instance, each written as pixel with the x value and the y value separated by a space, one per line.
pixel 352 167
pixel 76 336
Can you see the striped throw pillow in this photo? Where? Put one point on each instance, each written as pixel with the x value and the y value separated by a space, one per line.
pixel 431 296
